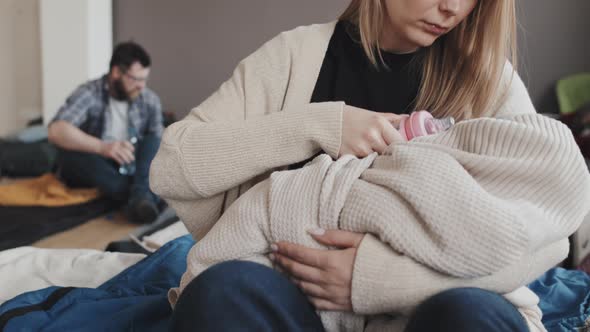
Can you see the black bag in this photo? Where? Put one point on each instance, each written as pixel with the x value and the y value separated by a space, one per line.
pixel 27 159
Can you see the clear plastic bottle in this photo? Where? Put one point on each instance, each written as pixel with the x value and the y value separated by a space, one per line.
pixel 422 123
pixel 129 168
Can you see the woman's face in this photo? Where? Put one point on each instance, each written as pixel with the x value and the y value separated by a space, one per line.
pixel 411 24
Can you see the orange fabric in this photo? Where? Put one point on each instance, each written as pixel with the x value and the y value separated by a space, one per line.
pixel 45 190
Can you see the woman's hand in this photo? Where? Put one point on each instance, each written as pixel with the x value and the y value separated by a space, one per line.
pixel 365 132
pixel 325 276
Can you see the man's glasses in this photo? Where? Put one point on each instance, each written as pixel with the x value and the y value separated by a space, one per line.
pixel 135 78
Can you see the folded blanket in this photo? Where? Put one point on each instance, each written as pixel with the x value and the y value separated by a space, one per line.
pixel 467 202
pixel 45 190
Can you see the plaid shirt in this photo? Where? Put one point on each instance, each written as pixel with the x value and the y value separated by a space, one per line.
pixel 86 109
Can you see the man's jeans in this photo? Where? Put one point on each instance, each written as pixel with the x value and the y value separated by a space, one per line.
pixel 245 296
pixel 79 169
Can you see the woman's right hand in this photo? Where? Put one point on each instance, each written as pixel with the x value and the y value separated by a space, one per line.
pixel 365 132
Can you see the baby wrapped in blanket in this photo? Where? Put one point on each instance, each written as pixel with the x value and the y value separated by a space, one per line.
pixel 466 202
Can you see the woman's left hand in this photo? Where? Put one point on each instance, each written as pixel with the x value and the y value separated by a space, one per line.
pixel 325 276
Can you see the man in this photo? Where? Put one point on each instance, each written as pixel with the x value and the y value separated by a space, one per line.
pixel 109 130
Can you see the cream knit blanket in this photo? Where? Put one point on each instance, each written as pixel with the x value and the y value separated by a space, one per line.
pixel 467 202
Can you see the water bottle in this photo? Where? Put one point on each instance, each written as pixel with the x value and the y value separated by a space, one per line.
pixel 129 168
pixel 422 123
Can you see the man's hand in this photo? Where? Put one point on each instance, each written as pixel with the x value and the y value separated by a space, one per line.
pixel 325 276
pixel 120 151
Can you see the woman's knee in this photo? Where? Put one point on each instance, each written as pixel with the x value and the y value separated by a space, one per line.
pixel 222 284
pixel 467 309
pixel 233 274
pixel 244 295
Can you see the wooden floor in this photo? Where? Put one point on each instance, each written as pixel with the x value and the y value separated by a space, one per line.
pixel 94 234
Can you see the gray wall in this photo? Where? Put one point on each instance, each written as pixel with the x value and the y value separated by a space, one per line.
pixel 554 42
pixel 195 45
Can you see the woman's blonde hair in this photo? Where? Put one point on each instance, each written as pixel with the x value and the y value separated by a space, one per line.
pixel 462 71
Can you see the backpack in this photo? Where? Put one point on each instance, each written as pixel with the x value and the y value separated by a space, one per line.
pixel 27 159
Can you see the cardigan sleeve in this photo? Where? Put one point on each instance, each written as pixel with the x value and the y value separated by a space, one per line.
pixel 242 130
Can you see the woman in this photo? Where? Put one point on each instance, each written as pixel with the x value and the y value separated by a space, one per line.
pixel 336 88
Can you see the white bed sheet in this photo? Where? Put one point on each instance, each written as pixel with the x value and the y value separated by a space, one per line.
pixel 26 269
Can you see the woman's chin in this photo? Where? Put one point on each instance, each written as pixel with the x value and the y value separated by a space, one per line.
pixel 424 39
pixel 426 42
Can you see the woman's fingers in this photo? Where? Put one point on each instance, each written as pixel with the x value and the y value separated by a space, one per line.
pixel 329 281
pixel 298 270
pixel 311 289
pixel 365 132
pixel 301 254
pixel 391 135
pixel 378 143
pixel 337 238
pixel 323 304
pixel 393 118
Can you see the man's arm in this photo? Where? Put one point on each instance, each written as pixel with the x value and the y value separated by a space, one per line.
pixel 64 127
pixel 65 133
pixel 69 137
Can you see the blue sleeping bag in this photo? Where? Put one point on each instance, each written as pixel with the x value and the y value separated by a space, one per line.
pixel 136 299
pixel 564 298
pixel 133 300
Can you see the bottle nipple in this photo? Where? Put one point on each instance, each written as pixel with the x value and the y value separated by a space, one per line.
pixel 434 125
pixel 422 123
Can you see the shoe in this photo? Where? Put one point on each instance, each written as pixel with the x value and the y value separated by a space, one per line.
pixel 162 205
pixel 142 211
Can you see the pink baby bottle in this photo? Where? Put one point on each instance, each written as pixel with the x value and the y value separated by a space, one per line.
pixel 422 123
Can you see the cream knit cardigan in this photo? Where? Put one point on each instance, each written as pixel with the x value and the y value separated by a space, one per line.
pixel 467 203
pixel 260 120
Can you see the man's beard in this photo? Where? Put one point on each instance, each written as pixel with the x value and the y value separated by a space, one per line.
pixel 119 92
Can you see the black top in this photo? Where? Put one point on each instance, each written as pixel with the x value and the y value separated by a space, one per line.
pixel 348 75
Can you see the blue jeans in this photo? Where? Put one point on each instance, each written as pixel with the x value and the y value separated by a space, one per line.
pixel 79 169
pixel 246 296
